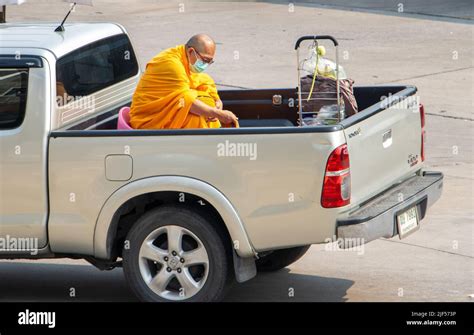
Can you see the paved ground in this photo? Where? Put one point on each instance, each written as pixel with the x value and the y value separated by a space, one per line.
pixel 429 45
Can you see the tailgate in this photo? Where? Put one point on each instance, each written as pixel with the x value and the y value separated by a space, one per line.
pixel 384 144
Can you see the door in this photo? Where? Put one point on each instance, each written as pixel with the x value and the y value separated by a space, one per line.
pixel 24 126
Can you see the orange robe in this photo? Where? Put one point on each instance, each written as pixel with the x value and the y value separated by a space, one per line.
pixel 167 90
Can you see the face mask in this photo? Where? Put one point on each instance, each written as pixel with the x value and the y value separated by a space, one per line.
pixel 199 66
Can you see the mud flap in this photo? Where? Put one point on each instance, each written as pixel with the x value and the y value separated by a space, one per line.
pixel 244 268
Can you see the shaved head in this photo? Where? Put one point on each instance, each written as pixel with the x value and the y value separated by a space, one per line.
pixel 203 44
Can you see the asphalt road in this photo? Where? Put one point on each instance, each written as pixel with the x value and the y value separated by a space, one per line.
pixel 427 46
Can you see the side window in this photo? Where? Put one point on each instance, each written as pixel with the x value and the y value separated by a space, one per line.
pixel 94 67
pixel 13 92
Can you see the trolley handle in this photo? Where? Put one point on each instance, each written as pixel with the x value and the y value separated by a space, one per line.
pixel 315 37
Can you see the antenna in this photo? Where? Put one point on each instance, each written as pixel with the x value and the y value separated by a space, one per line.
pixel 61 26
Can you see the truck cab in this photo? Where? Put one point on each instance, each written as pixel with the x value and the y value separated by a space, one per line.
pixel 40 70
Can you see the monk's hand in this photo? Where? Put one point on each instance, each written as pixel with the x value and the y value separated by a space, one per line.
pixel 227 117
pixel 219 104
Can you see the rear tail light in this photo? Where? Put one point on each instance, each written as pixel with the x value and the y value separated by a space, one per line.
pixel 337 179
pixel 423 132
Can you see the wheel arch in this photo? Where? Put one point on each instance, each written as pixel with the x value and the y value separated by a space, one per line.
pixel 108 219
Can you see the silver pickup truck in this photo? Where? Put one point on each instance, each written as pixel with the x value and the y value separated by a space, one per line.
pixel 186 212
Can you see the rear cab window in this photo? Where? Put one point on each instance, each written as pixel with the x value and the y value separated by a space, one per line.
pixel 13 94
pixel 94 67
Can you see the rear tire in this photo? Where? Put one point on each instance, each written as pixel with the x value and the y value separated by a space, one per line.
pixel 175 254
pixel 280 259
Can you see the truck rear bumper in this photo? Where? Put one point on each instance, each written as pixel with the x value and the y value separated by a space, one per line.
pixel 378 217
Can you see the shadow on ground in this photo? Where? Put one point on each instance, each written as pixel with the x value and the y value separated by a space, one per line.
pixel 286 286
pixel 53 282
pixel 461 11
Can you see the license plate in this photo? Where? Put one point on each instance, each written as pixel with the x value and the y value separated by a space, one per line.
pixel 407 222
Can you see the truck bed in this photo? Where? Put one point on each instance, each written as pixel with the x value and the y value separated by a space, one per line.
pixel 95 160
pixel 255 108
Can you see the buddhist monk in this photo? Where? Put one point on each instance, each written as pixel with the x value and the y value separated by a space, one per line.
pixel 175 93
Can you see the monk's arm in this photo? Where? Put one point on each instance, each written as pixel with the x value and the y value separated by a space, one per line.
pixel 177 78
pixel 200 108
